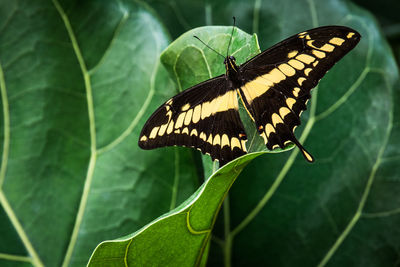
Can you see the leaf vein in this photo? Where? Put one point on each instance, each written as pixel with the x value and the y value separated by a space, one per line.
pixel 92 130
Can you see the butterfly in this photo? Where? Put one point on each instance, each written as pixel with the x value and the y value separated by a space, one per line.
pixel 274 87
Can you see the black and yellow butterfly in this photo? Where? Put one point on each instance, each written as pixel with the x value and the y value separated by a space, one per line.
pixel 274 87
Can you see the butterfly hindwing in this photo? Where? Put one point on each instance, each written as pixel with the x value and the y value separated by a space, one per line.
pixel 204 117
pixel 279 80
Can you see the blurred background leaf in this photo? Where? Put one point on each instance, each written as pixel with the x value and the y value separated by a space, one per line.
pixel 73 176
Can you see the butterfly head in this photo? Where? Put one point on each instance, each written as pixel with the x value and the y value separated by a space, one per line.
pixel 230 64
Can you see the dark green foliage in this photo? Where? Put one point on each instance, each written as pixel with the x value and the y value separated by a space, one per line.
pixel 78 79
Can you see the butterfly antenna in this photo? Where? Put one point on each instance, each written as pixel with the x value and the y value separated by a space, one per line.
pixel 230 40
pixel 208 46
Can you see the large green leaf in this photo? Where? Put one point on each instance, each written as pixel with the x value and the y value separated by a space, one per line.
pixel 78 79
pixel 180 237
pixel 283 211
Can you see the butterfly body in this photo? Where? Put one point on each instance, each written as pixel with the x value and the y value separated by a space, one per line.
pixel 274 87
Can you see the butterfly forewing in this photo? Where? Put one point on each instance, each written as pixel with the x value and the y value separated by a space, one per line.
pixel 277 82
pixel 204 117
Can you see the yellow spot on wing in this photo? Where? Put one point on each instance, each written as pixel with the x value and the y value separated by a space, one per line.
pixel 304 35
pixel 262 84
pixel 188 117
pixel 162 129
pixel 307 71
pixel 325 47
pixel 290 102
pixel 292 53
pixel 193 132
pixel 286 142
pixel 227 101
pixel 217 140
pixel 143 138
pixel 220 103
pixel 243 142
pixel 315 63
pixel 170 127
pixel 301 80
pixel 185 107
pixel 203 136
pixel 196 113
pixel 305 58
pixel 269 129
pixel 235 143
pixel 179 121
pixel 286 69
pixel 255 88
pixel 224 140
pixel 283 111
pixel 319 54
pixel 276 119
pixel 350 34
pixel 296 64
pixel 274 76
pixel 336 41
pixel 206 110
pixel 153 133
pixel 296 91
pixel 185 131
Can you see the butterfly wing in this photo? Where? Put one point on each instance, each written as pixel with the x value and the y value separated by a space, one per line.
pixel 204 116
pixel 279 80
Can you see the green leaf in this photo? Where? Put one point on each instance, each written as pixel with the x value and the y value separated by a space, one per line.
pixel 180 237
pixel 343 209
pixel 78 79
